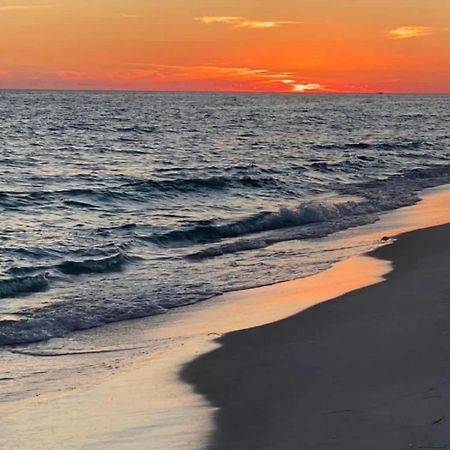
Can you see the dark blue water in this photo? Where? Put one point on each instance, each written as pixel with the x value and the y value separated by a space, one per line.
pixel 122 205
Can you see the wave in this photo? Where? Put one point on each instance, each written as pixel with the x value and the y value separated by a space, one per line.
pixel 137 129
pixel 386 145
pixel 38 278
pixel 23 285
pixel 140 190
pixel 80 204
pixel 309 231
pixel 313 219
pixel 33 324
pixel 310 212
pixel 350 165
pixel 124 227
pixel 54 321
pixel 79 197
pixel 239 169
pixel 400 189
pixel 204 183
pixel 114 263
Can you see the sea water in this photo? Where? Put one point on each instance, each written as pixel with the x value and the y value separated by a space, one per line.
pixel 118 205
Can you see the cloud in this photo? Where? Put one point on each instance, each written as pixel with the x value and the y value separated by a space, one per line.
pixel 208 20
pixel 305 87
pixel 268 24
pixel 201 72
pixel 409 32
pixel 242 22
pixel 125 16
pixel 22 7
pixel 197 77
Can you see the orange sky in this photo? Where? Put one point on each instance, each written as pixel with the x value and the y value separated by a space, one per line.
pixel 227 45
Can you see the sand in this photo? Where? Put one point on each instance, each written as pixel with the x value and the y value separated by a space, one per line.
pixel 355 370
pixel 367 371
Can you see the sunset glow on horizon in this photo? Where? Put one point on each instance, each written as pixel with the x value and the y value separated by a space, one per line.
pixel 313 46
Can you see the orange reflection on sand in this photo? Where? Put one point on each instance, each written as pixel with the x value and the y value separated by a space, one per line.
pixel 259 306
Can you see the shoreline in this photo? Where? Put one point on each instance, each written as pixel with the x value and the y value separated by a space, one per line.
pixel 369 369
pixel 148 354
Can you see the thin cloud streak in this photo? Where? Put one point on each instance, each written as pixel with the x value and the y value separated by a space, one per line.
pixel 125 16
pixel 208 20
pixel 211 71
pixel 408 32
pixel 250 79
pixel 167 68
pixel 242 22
pixel 23 7
pixel 305 87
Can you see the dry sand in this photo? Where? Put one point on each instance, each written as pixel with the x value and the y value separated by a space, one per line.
pixel 367 371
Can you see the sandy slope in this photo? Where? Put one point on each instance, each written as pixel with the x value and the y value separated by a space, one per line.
pixel 370 370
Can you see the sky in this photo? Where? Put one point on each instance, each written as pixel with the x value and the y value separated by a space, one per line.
pixel 297 46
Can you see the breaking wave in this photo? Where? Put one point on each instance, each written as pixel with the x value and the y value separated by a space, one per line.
pixel 315 219
pixel 23 285
pixel 114 263
pixel 307 213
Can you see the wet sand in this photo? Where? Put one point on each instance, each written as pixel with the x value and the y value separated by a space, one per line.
pixel 369 370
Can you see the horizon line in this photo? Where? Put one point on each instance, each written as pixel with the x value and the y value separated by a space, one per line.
pixel 181 91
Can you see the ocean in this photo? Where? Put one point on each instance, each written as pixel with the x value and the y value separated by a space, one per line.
pixel 119 205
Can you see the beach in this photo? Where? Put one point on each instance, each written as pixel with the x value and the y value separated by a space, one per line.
pixel 272 367
pixel 369 370
pixel 224 225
